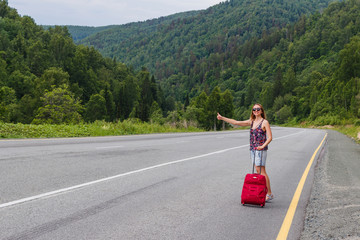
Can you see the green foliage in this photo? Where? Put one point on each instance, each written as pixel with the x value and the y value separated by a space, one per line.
pixel 95 108
pixel 37 63
pixel 196 48
pixel 205 108
pixel 299 66
pixel 59 106
pixel 97 128
pixel 328 120
pixel 7 103
pixel 156 115
pixel 283 115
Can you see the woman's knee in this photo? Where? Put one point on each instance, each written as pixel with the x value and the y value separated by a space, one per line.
pixel 263 171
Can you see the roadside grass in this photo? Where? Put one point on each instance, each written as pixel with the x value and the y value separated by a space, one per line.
pixel 350 130
pixel 98 128
pixel 130 127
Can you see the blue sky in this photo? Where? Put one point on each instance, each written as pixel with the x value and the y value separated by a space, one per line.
pixel 103 12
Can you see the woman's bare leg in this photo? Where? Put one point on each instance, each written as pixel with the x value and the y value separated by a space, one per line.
pixel 263 172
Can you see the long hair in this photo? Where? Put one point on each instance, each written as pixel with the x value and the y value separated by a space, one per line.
pixel 263 114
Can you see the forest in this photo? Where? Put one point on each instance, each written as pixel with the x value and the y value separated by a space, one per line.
pixel 301 67
pixel 289 55
pixel 46 79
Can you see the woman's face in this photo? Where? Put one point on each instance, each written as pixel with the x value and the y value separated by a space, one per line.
pixel 256 110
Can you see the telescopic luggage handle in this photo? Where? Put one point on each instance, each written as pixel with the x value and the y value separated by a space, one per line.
pixel 255 160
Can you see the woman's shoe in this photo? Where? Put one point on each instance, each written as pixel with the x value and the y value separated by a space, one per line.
pixel 269 197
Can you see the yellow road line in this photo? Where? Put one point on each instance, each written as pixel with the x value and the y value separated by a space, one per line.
pixel 285 227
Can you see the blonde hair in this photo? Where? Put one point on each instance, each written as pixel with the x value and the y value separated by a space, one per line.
pixel 263 114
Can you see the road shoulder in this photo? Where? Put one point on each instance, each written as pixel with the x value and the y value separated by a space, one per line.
pixel 333 211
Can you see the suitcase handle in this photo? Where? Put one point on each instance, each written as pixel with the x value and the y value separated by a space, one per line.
pixel 254 160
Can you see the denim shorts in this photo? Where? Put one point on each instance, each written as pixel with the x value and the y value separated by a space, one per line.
pixel 260 156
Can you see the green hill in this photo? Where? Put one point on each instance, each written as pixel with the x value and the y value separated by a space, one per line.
pixel 185 43
pixel 46 78
pixel 255 50
pixel 116 33
pixel 80 32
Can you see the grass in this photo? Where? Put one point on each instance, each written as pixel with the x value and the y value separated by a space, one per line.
pixel 350 130
pixel 127 127
pixel 98 128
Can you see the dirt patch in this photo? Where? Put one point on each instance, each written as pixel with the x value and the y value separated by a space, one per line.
pixel 328 126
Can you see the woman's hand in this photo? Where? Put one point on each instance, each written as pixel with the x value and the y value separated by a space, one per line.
pixel 260 148
pixel 219 117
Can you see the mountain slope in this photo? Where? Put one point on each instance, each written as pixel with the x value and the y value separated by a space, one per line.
pixel 312 73
pixel 186 42
pixel 119 33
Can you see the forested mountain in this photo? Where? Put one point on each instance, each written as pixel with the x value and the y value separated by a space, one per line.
pixel 80 32
pixel 313 72
pixel 298 71
pixel 303 71
pixel 46 78
pixel 119 33
pixel 202 43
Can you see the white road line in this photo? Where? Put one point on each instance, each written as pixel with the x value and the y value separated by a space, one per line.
pixel 289 135
pixel 64 190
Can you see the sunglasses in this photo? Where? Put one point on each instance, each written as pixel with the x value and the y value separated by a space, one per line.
pixel 256 109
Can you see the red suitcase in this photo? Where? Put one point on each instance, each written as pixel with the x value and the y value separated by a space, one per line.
pixel 254 190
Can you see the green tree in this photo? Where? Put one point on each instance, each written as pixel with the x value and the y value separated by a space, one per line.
pixel 146 96
pixel 61 46
pixel 350 60
pixel 7 103
pixel 226 105
pixel 127 94
pixel 156 113
pixel 267 95
pixel 199 104
pixel 25 109
pixel 212 107
pixel 22 83
pixel 59 106
pixel 95 108
pixel 38 57
pixel 3 72
pixel 283 115
pixel 110 104
pixel 51 77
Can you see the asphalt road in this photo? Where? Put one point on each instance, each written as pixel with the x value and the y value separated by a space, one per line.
pixel 333 211
pixel 162 186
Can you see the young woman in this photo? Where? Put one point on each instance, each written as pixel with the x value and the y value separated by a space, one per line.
pixel 260 137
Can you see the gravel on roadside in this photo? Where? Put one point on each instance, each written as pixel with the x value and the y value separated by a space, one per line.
pixel 333 211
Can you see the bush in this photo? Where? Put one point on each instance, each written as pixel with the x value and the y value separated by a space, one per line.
pixel 357 122
pixel 98 128
pixel 327 120
pixel 283 115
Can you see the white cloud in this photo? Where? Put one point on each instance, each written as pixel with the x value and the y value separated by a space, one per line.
pixel 103 12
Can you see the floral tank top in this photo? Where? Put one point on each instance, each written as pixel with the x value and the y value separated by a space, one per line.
pixel 257 136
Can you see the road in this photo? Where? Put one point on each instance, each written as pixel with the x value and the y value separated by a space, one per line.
pixel 160 186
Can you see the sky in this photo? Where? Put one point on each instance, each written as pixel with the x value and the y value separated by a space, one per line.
pixel 103 12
